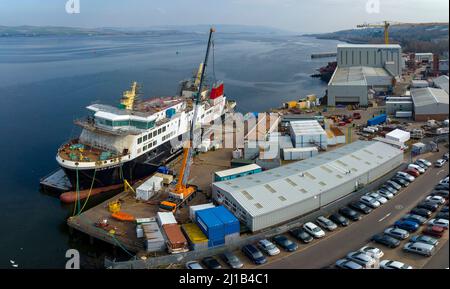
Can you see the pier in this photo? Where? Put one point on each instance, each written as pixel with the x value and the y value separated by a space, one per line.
pixel 323 55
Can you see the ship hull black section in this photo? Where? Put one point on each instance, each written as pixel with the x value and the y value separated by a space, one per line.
pixel 133 170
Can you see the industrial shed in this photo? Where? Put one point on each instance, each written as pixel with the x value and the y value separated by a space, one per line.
pixel 308 133
pixel 430 103
pixel 441 82
pixel 279 195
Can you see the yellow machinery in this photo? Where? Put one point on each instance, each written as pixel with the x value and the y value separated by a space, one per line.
pixel 126 186
pixel 129 96
pixel 199 75
pixel 386 24
pixel 114 206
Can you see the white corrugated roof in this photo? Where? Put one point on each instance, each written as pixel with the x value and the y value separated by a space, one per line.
pixel 357 75
pixel 277 188
pixel 237 170
pixel 306 127
pixel 442 82
pixel 428 95
pixel 344 45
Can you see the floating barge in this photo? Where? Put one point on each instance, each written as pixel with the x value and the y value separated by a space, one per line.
pixel 56 181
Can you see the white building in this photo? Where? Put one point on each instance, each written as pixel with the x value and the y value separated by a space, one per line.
pixel 399 135
pixel 430 103
pixel 275 196
pixel 424 57
pixel 308 133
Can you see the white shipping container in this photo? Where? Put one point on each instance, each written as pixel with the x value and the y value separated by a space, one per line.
pixel 194 209
pixel 139 231
pixel 399 135
pixel 149 188
pixel 165 218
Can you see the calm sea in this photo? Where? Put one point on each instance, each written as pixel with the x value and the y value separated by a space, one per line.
pixel 46 82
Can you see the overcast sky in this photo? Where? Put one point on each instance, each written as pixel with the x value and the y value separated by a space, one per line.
pixel 293 15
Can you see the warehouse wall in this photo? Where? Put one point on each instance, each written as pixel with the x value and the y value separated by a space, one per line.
pixel 393 107
pixel 349 92
pixel 426 117
pixel 432 109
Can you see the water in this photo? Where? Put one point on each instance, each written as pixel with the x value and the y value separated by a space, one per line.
pixel 46 82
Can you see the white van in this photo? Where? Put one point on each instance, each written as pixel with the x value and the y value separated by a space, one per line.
pixel 416 167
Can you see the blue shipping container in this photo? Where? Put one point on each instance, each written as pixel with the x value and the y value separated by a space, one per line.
pixel 210 225
pixel 216 243
pixel 231 223
pixel 377 120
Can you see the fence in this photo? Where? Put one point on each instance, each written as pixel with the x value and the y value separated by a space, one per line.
pixel 195 255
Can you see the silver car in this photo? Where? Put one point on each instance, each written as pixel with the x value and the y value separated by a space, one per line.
pixel 363 259
pixel 348 264
pixel 232 260
pixel 386 194
pixel 369 201
pixel 326 223
pixel 378 197
pixel 372 252
pixel 193 265
pixel 397 233
pixel 425 162
pixel 268 247
pixel 389 264
pixel 420 248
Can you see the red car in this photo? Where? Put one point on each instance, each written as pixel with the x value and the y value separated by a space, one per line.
pixel 434 231
pixel 357 115
pixel 413 172
pixel 342 123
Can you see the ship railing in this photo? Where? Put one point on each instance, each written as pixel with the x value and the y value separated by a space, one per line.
pixel 92 126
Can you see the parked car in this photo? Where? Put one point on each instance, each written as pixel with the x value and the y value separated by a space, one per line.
pixel 423 166
pixel 377 197
pixel 389 189
pixel 360 207
pixel 193 265
pixel 232 260
pixel 425 239
pixel 436 199
pixel 413 172
pixel 421 212
pixel 434 231
pixel 370 202
pixel 405 176
pixel 255 255
pixel 443 187
pixel 417 168
pixel 407 225
pixel 445 180
pixel 439 163
pixel 439 222
pixel 285 243
pixel 419 248
pixel 389 264
pixel 268 247
pixel 400 181
pixel 386 240
pixel 348 264
pixel 425 162
pixel 372 252
pixel 326 223
pixel 445 156
pixel 444 209
pixel 428 206
pixel 211 263
pixel 349 213
pixel 339 219
pixel 313 230
pixel 362 259
pixel 442 215
pixel 385 193
pixel 301 234
pixel 393 185
pixel 397 233
pixel 443 194
pixel 415 218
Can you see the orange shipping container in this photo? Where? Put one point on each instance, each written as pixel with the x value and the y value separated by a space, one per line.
pixel 176 242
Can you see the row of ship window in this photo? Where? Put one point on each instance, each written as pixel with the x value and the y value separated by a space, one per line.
pixel 150 135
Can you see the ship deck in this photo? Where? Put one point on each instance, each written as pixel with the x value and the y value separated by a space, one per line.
pixel 84 153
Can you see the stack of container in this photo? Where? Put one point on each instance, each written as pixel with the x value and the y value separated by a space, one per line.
pixel 154 240
pixel 195 236
pixel 194 209
pixel 219 225
pixel 149 188
pixel 165 218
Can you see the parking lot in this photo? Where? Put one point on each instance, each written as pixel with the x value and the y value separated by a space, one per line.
pixel 323 252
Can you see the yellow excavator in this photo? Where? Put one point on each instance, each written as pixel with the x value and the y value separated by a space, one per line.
pixel 183 192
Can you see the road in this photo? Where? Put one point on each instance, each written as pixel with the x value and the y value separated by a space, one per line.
pixel 323 253
pixel 440 260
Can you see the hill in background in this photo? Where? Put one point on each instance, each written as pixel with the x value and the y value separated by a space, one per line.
pixel 426 37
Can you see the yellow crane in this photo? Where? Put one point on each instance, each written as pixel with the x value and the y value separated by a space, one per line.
pixel 386 24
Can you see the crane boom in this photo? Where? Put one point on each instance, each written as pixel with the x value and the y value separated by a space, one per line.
pixel 182 188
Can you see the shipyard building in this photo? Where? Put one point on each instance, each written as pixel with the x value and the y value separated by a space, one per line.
pixel 275 196
pixel 430 103
pixel 360 68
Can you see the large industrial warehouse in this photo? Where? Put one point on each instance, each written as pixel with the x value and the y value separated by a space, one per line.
pixel 360 67
pixel 278 195
pixel 430 103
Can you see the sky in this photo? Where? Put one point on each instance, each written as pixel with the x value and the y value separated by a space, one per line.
pixel 304 16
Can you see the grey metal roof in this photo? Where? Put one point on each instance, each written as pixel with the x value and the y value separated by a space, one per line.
pixel 442 82
pixel 429 95
pixel 396 46
pixel 357 75
pixel 275 189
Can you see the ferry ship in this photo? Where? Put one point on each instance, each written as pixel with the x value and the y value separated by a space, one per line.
pixel 131 141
